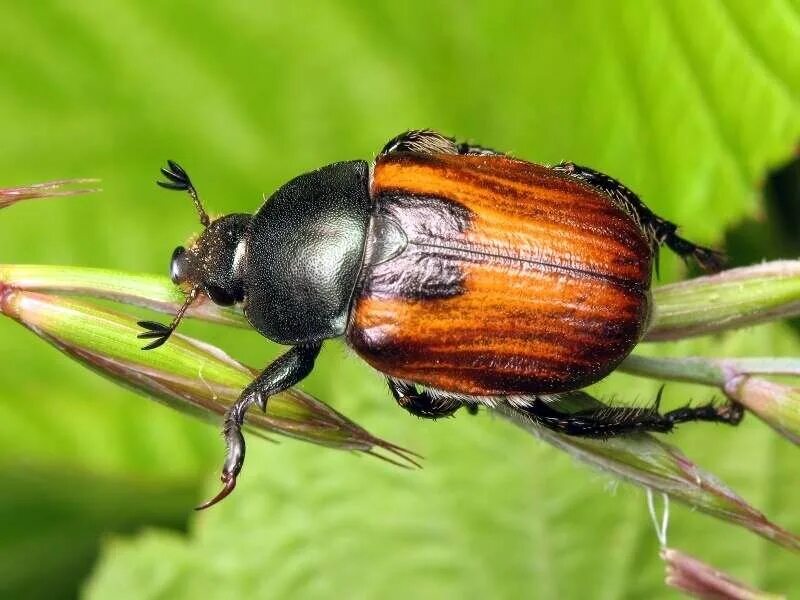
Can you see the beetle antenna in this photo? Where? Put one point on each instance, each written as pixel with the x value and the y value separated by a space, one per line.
pixel 178 179
pixel 158 332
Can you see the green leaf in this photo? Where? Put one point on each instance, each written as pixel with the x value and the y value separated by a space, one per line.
pixel 61 516
pixel 690 103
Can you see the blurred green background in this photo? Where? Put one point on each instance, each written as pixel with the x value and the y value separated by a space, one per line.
pixel 693 104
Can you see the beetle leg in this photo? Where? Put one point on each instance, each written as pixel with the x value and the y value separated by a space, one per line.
pixel 601 423
pixel 659 231
pixel 729 412
pixel 472 408
pixel 611 421
pixel 421 404
pixel 280 375
pixel 467 148
pixel 424 141
pixel 427 141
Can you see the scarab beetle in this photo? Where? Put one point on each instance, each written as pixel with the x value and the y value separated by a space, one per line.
pixel 464 275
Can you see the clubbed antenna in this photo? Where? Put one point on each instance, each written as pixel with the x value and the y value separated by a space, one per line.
pixel 179 180
pixel 158 332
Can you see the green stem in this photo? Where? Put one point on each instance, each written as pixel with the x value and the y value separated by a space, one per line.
pixel 717 372
pixel 149 291
pixel 732 299
pixel 776 404
pixel 729 300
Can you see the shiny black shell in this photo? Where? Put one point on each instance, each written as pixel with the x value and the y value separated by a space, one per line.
pixel 304 253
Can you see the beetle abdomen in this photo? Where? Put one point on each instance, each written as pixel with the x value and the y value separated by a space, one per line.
pixel 506 277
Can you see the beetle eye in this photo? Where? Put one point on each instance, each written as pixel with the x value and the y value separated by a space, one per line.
pixel 179 265
pixel 219 296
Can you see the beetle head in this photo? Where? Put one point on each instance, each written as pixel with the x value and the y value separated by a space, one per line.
pixel 211 265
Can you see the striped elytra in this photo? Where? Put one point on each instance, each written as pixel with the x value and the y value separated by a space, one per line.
pixel 486 275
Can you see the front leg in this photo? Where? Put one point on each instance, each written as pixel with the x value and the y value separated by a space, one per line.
pixel 286 371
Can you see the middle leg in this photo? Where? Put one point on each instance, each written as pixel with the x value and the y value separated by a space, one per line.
pixel 421 403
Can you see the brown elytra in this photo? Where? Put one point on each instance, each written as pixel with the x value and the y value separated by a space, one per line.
pixel 495 276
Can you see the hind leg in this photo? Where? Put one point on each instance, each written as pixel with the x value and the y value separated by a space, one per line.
pixel 601 422
pixel 660 231
pixel 610 421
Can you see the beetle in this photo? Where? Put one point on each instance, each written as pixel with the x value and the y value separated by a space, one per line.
pixel 464 275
